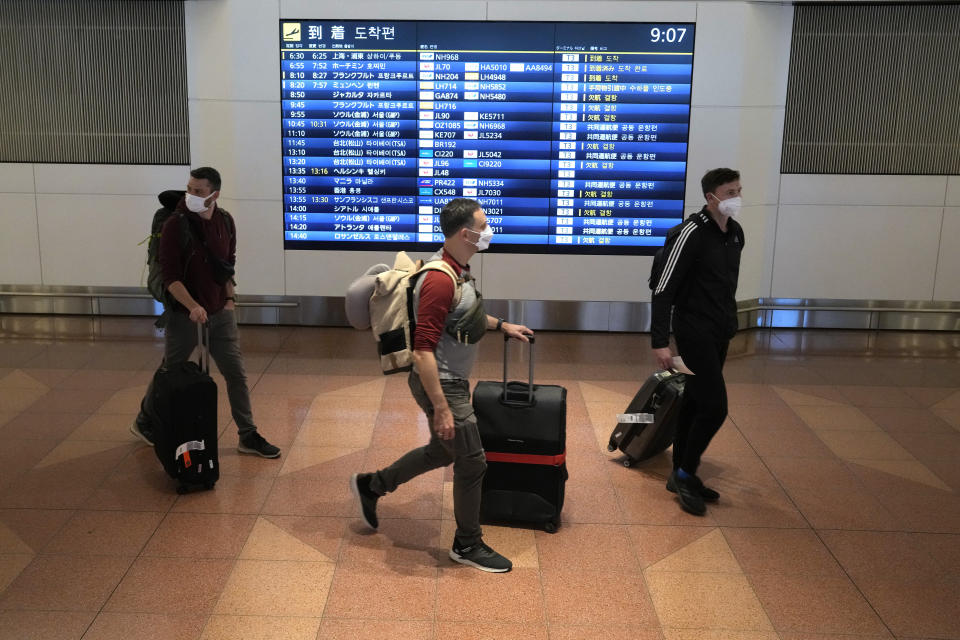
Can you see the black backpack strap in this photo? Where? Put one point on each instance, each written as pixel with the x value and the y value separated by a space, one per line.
pixel 230 224
pixel 188 242
pixel 188 235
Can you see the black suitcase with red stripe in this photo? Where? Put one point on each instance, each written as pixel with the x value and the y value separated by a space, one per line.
pixel 523 428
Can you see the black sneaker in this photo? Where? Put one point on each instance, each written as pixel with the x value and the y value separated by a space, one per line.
pixel 708 494
pixel 481 556
pixel 689 493
pixel 256 444
pixel 141 432
pixel 366 499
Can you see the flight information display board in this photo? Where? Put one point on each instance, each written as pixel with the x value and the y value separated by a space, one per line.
pixel 573 136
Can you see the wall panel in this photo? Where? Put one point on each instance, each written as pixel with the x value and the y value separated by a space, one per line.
pixel 948 264
pixel 91 240
pixel 867 89
pixel 856 253
pixel 19 244
pixel 97 81
pixel 16 177
pixel 863 190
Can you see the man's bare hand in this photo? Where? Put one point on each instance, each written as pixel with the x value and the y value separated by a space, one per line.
pixel 443 424
pixel 198 314
pixel 663 357
pixel 516 331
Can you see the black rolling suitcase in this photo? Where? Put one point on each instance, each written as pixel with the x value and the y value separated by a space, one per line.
pixel 182 408
pixel 523 428
pixel 648 425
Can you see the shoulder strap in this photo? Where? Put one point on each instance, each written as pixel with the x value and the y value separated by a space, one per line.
pixel 187 235
pixel 188 241
pixel 230 223
pixel 440 265
pixel 190 234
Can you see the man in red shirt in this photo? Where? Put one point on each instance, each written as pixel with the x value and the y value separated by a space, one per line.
pixel 200 280
pixel 445 348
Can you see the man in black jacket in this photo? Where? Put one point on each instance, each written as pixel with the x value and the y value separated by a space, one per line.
pixel 699 282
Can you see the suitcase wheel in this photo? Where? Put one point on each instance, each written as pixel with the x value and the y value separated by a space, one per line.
pixel 183 489
pixel 550 527
pixel 208 486
pixel 612 446
pixel 628 463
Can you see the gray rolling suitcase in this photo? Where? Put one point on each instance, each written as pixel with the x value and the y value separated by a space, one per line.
pixel 648 425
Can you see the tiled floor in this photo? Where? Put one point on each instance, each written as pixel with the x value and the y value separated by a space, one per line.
pixel 838 468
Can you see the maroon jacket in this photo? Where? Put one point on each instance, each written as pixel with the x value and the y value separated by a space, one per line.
pixel 192 267
pixel 436 297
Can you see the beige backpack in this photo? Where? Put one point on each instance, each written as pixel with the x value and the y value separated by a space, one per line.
pixel 392 313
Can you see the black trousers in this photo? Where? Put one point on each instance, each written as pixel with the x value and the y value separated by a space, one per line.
pixel 704 404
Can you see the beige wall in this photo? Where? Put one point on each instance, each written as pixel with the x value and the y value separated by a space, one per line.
pixel 868 237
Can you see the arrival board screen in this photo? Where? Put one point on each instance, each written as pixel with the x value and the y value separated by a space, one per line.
pixel 573 136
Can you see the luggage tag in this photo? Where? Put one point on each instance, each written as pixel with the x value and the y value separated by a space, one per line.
pixel 185 449
pixel 635 418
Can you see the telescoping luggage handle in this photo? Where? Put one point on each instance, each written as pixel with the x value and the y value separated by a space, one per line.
pixel 505 396
pixel 203 345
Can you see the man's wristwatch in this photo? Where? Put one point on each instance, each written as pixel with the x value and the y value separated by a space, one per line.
pixel 499 323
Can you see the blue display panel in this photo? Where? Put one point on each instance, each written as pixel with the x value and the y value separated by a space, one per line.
pixel 573 136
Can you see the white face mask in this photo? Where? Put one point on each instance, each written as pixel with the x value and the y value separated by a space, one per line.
pixel 485 236
pixel 730 207
pixel 197 204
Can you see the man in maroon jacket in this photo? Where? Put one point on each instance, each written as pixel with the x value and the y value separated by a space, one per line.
pixel 198 276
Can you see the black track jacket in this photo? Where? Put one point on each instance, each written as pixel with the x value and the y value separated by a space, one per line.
pixel 699 280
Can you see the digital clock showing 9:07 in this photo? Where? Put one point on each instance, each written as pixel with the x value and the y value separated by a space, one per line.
pixel 572 136
pixel 669 34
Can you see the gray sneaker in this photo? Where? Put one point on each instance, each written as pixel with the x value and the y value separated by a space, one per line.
pixel 480 556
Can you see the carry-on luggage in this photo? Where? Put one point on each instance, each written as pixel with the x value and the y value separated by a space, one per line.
pixel 182 408
pixel 523 428
pixel 648 425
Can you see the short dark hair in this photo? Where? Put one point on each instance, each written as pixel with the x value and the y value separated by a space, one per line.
pixel 716 177
pixel 457 214
pixel 209 174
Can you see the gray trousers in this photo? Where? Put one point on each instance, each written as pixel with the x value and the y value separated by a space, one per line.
pixel 464 451
pixel 181 340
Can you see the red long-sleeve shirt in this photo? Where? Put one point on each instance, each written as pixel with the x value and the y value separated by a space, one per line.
pixel 196 275
pixel 436 296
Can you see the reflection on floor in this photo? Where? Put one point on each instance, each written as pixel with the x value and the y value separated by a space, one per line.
pixel 838 469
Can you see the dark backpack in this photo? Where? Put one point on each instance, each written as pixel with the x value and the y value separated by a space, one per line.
pixel 169 200
pixel 660 257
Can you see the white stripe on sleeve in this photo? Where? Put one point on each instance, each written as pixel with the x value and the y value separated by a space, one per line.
pixel 674 256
